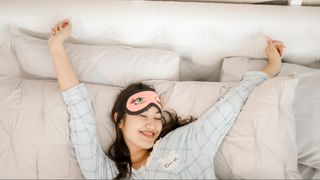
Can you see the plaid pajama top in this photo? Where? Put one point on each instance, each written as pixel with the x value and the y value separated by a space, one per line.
pixel 184 153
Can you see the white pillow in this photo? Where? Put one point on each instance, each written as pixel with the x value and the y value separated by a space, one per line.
pixel 306 105
pixel 8 63
pixel 100 64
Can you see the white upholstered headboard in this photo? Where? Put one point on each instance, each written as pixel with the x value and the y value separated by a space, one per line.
pixel 202 33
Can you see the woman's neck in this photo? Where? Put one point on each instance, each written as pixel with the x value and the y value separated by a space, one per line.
pixel 139 158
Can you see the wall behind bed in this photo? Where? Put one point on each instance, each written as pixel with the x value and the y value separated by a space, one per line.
pixel 202 33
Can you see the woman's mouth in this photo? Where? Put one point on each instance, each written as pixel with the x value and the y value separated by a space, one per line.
pixel 148 134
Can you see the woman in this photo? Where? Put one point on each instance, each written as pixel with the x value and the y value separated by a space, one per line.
pixel 146 146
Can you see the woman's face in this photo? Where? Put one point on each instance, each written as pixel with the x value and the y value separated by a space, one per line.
pixel 140 131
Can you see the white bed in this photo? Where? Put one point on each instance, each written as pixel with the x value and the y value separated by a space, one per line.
pixel 201 34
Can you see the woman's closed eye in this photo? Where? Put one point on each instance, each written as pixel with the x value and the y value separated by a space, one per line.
pixel 157 118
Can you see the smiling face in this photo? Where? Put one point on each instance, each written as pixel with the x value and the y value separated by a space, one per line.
pixel 141 131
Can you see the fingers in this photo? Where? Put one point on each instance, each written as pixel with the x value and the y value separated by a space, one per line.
pixel 275 42
pixel 279 46
pixel 271 45
pixel 56 29
pixel 281 51
pixel 60 26
pixel 63 24
pixel 276 45
pixel 66 23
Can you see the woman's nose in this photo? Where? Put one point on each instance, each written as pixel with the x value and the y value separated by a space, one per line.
pixel 151 124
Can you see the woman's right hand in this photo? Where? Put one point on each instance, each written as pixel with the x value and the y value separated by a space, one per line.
pixel 59 33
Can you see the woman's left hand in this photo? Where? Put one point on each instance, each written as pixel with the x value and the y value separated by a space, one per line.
pixel 274 52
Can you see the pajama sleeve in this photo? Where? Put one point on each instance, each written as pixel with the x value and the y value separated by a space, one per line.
pixel 93 162
pixel 207 132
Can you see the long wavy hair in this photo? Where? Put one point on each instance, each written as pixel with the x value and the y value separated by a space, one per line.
pixel 119 151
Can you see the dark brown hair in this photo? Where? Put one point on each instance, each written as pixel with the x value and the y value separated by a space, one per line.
pixel 119 151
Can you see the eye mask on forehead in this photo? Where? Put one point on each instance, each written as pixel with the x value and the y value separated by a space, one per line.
pixel 142 101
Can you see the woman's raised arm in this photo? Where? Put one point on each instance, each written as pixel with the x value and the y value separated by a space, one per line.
pixel 92 160
pixel 66 76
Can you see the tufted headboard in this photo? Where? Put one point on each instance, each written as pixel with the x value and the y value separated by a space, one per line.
pixel 202 33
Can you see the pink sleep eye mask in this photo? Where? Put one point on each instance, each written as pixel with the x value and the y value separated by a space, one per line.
pixel 142 101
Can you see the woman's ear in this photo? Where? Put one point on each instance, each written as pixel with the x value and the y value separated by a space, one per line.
pixel 115 117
